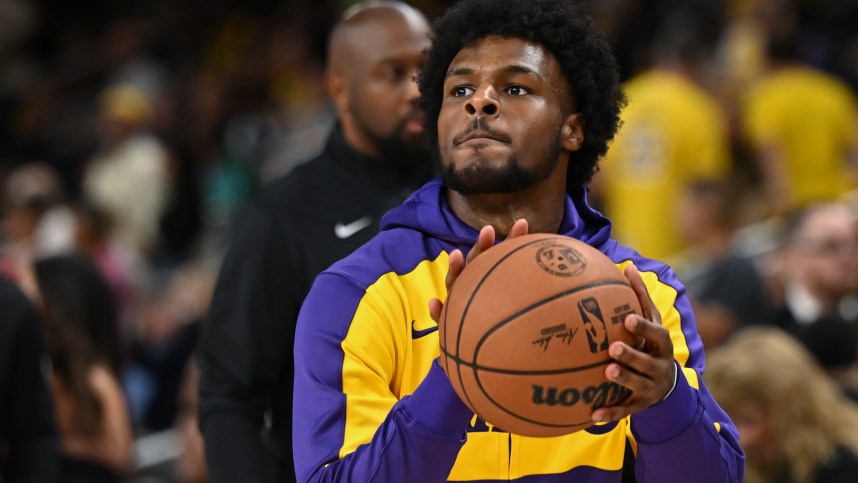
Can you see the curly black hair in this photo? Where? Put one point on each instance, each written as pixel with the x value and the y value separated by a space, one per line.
pixel 565 30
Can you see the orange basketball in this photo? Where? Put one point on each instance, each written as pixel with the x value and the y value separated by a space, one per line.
pixel 525 333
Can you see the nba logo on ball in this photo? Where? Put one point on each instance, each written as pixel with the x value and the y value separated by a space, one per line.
pixel 525 332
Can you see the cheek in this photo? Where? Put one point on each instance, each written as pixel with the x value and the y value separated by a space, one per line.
pixel 831 269
pixel 376 106
pixel 446 130
pixel 754 433
pixel 534 140
pixel 541 128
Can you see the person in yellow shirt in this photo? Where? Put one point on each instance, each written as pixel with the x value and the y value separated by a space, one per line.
pixel 673 134
pixel 802 124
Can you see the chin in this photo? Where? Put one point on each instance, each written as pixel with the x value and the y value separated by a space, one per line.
pixel 480 159
pixel 487 177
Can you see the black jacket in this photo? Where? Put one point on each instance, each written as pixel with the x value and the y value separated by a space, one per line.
pixel 29 447
pixel 297 227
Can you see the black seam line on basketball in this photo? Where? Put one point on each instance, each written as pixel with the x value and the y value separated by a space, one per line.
pixel 533 421
pixel 482 280
pixel 513 317
pixel 509 319
pixel 475 368
pixel 517 372
pixel 468 306
pixel 556 296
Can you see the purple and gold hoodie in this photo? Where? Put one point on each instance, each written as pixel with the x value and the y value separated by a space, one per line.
pixel 372 405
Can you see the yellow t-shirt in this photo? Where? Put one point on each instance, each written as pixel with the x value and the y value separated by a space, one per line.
pixel 673 133
pixel 812 118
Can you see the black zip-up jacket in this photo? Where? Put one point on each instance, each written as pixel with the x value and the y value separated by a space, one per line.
pixel 298 226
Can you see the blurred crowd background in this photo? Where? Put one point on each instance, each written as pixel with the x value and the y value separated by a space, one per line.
pixel 130 132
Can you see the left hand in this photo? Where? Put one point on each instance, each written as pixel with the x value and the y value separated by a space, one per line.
pixel 648 371
pixel 485 240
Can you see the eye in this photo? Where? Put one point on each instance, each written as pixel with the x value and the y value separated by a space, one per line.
pixel 461 91
pixel 516 90
pixel 394 72
pixel 398 73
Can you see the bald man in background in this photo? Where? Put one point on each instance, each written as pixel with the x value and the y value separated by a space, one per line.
pixel 376 155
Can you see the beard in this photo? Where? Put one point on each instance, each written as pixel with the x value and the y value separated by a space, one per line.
pixel 486 177
pixel 399 148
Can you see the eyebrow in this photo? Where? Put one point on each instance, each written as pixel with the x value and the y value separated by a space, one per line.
pixel 511 69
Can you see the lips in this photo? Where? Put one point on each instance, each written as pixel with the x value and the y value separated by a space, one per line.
pixel 481 134
pixel 415 125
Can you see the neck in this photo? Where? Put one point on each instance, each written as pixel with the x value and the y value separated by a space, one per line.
pixel 541 205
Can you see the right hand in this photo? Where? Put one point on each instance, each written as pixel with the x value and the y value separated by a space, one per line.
pixel 485 240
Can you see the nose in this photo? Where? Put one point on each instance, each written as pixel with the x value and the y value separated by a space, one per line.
pixel 483 102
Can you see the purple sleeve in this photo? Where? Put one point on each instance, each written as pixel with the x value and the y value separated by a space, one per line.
pixel 678 440
pixel 417 441
pixel 687 437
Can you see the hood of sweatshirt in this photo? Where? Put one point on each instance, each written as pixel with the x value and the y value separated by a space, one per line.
pixel 428 211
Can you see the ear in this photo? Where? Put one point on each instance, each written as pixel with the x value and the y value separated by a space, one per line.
pixel 337 92
pixel 572 133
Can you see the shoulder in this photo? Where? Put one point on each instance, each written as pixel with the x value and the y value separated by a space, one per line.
pixel 623 255
pixel 662 283
pixel 396 251
pixel 384 281
pixel 297 184
pixel 284 199
pixel 104 383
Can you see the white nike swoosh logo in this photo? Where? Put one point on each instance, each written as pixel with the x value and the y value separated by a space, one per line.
pixel 345 230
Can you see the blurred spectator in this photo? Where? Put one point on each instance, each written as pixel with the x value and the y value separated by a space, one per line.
pixel 169 321
pixel 29 447
pixel 794 424
pixel 741 49
pixel 375 156
pixel 725 287
pixel 36 222
pixel 95 430
pixel 127 178
pixel 815 273
pixel 673 134
pixel 117 263
pixel 74 292
pixel 802 123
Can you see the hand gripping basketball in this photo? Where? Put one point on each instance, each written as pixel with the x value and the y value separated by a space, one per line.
pixel 518 363
pixel 648 371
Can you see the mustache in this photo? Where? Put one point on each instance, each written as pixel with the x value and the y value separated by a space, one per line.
pixel 413 113
pixel 480 128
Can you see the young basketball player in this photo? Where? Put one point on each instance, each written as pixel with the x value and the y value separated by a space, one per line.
pixel 522 99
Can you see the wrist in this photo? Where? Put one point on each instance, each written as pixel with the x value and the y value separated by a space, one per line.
pixel 675 379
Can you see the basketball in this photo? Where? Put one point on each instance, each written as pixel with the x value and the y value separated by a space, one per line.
pixel 525 333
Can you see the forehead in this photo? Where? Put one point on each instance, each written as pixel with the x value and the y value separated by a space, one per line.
pixel 494 53
pixel 389 35
pixel 828 221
